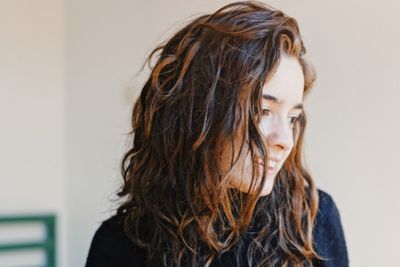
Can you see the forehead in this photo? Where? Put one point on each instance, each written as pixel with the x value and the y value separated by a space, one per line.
pixel 287 83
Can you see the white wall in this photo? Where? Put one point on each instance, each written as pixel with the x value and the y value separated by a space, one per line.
pixel 32 109
pixel 82 106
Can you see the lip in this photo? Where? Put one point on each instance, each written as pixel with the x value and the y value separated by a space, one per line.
pixel 270 169
pixel 260 162
pixel 275 159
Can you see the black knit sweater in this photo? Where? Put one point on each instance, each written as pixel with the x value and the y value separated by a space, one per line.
pixel 110 246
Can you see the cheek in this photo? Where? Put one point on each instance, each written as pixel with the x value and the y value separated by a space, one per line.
pixel 264 127
pixel 241 174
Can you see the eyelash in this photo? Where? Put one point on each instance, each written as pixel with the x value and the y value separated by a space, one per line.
pixel 295 119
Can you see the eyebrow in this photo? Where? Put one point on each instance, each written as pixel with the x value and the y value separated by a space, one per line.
pixel 276 100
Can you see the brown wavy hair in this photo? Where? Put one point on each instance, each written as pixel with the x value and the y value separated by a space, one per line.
pixel 176 198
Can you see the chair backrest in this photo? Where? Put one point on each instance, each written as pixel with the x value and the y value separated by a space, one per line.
pixel 47 244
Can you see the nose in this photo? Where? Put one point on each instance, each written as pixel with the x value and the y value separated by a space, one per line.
pixel 279 136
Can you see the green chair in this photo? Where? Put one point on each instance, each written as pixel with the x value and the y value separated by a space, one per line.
pixel 48 244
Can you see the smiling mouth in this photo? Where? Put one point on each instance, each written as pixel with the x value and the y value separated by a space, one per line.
pixel 270 163
pixel 271 169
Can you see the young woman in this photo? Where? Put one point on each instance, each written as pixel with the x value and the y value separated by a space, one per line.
pixel 214 176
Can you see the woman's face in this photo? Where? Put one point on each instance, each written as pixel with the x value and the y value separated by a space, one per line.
pixel 281 106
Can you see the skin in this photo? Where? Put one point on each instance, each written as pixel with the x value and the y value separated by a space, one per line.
pixel 276 126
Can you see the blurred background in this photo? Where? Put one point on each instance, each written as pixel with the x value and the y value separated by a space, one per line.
pixel 70 72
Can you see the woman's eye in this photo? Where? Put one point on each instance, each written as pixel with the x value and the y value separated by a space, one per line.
pixel 265 112
pixel 293 120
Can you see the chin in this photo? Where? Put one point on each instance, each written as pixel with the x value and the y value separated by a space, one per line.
pixel 268 186
pixel 266 191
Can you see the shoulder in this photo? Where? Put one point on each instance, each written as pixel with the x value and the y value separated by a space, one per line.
pixel 327 206
pixel 329 236
pixel 110 246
